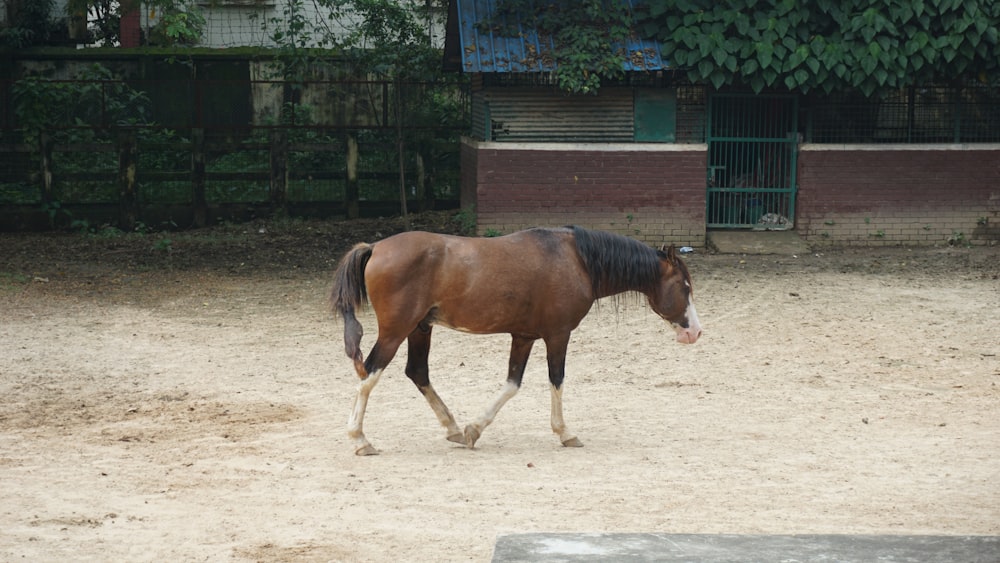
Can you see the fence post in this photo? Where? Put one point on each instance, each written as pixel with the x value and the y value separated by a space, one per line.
pixel 198 176
pixel 279 168
pixel 423 198
pixel 45 147
pixel 351 192
pixel 401 155
pixel 128 201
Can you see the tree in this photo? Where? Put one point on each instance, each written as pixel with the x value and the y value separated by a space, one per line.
pixel 585 35
pixel 382 39
pixel 31 23
pixel 179 21
pixel 389 41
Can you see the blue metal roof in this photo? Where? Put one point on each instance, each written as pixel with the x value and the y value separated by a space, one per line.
pixel 526 51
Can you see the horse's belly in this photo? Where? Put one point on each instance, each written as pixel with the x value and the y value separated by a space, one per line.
pixel 521 317
pixel 479 324
pixel 478 330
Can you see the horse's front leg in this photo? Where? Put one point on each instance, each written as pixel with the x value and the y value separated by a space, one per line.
pixel 558 424
pixel 556 356
pixel 520 349
pixel 418 349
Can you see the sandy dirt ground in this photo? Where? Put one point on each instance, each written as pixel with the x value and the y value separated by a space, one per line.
pixel 174 412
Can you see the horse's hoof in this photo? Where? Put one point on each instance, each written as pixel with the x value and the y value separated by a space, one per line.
pixel 471 435
pixel 457 437
pixel 573 443
pixel 366 449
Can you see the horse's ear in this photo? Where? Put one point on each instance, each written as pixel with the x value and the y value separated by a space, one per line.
pixel 670 252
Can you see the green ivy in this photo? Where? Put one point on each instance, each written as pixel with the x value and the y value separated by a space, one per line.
pixel 866 45
pixel 826 45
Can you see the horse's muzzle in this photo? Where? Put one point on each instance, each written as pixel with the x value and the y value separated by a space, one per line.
pixel 692 332
pixel 688 335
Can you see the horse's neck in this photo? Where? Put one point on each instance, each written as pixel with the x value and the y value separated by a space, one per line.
pixel 608 288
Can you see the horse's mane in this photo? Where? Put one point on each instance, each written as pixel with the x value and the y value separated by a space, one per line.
pixel 616 263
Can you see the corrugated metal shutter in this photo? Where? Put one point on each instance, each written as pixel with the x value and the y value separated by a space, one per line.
pixel 540 116
pixel 478 128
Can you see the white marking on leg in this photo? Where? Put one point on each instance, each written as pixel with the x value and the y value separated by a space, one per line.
pixel 357 419
pixel 443 414
pixel 558 424
pixel 473 431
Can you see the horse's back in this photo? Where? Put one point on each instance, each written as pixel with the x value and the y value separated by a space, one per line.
pixel 414 251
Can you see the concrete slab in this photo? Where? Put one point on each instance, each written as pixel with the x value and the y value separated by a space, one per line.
pixel 704 548
pixel 757 242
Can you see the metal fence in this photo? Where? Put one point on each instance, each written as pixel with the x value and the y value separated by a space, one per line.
pixel 917 114
pixel 752 139
pixel 752 149
pixel 127 151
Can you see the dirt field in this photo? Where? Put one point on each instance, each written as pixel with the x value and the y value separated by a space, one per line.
pixel 173 397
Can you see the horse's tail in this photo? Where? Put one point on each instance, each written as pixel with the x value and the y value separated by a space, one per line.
pixel 349 293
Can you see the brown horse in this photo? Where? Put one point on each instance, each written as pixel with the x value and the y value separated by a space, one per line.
pixel 533 284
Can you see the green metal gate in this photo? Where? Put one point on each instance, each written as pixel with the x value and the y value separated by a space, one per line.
pixel 752 149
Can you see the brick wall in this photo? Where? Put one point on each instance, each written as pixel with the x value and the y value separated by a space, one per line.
pixel 899 194
pixel 651 192
pixel 129 28
pixel 468 159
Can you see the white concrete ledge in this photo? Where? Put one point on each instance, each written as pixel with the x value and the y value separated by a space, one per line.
pixel 899 147
pixel 696 548
pixel 590 147
pixel 696 147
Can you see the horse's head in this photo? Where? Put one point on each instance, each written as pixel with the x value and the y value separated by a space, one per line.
pixel 673 298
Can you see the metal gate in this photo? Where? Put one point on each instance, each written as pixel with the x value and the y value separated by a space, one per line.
pixel 752 149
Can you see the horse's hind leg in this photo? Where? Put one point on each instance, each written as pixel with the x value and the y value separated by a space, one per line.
pixel 520 349
pixel 419 345
pixel 380 356
pixel 355 423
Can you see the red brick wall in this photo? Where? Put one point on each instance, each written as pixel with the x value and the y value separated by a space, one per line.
pixel 468 156
pixel 128 28
pixel 863 195
pixel 654 193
